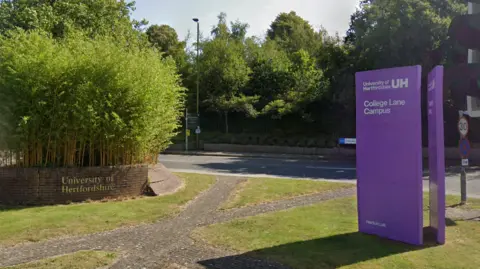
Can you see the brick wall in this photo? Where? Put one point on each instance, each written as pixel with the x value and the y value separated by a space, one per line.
pixel 27 186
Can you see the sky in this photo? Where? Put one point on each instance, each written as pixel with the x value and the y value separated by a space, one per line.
pixel 334 15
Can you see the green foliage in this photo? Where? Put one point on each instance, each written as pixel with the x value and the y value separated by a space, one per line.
pixel 94 17
pixel 401 32
pixel 298 77
pixel 292 32
pixel 79 101
pixel 165 39
pixel 225 72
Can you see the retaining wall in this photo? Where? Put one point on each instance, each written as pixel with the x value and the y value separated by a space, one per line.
pixel 35 186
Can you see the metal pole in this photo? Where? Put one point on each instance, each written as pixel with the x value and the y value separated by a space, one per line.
pixel 186 130
pixel 463 186
pixel 198 84
pixel 463 178
pixel 198 74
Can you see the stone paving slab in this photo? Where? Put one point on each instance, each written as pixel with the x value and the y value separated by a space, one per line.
pixel 162 181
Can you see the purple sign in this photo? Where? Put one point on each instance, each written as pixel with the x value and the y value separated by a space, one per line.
pixel 436 152
pixel 389 153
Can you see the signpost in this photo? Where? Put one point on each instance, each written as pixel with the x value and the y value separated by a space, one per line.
pixel 464 148
pixel 389 153
pixel 436 153
pixel 192 121
pixel 187 131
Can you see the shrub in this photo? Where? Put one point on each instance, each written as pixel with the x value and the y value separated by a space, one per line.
pixel 84 102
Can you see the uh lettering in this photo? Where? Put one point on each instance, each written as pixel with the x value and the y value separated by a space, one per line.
pixel 400 83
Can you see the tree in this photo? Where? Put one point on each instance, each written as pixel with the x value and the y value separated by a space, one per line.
pixel 387 33
pixel 165 39
pixel 306 85
pixel 225 73
pixel 94 17
pixel 270 67
pixel 402 32
pixel 336 111
pixel 239 30
pixel 292 33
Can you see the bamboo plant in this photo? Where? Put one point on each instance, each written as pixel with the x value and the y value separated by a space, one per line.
pixel 84 102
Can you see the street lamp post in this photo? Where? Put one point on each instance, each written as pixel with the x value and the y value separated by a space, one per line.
pixel 198 82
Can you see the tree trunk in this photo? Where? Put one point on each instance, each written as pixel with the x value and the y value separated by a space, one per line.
pixel 226 122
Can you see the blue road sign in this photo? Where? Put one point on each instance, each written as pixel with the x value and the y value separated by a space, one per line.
pixel 347 141
pixel 464 147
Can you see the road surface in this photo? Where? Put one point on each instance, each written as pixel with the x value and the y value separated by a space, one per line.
pixel 298 168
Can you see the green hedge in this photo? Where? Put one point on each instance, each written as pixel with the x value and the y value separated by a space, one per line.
pixel 80 102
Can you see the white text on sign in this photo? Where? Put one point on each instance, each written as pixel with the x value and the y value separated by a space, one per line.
pixel 380 107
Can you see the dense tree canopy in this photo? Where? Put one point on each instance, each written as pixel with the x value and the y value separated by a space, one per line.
pixel 292 32
pixel 95 17
pixel 402 32
pixel 165 39
pixel 224 71
pixel 297 80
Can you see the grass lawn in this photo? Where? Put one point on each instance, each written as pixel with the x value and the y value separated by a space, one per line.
pixel 452 200
pixel 260 190
pixel 39 223
pixel 325 236
pixel 79 260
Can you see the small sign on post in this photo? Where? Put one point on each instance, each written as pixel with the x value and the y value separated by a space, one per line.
pixel 192 121
pixel 463 126
pixel 464 148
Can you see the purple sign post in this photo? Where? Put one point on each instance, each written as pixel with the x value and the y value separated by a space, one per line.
pixel 389 153
pixel 436 153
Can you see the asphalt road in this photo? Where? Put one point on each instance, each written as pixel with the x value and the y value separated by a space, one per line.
pixel 298 168
pixel 292 168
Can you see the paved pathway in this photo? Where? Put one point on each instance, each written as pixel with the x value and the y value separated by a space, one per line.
pixel 167 244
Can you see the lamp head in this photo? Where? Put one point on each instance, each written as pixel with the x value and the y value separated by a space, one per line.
pixel 196 20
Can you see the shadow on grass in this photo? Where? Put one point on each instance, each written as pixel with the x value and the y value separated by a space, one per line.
pixel 322 253
pixel 455 205
pixel 450 222
pixel 5 208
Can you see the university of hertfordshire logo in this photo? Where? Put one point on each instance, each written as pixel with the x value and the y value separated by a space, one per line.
pixel 385 84
pixel 400 83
